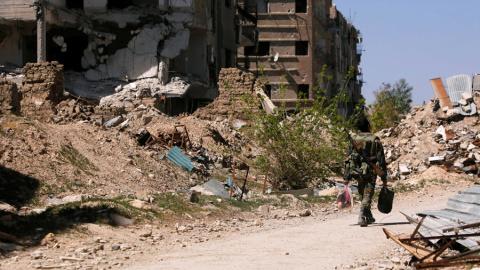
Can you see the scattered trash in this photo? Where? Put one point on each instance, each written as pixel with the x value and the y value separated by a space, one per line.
pixel 344 199
pixel 212 187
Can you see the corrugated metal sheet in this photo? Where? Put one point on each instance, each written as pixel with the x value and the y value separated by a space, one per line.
pixel 476 82
pixel 461 209
pixel 434 226
pixel 176 156
pixel 456 85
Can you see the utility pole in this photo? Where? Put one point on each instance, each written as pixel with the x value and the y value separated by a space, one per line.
pixel 41 32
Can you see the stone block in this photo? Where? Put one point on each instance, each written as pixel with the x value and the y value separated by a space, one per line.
pixel 467 97
pixel 403 169
pixel 436 159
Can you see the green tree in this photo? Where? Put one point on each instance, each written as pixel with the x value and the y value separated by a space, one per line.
pixel 392 102
pixel 308 146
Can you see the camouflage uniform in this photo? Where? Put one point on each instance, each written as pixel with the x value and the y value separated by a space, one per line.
pixel 356 168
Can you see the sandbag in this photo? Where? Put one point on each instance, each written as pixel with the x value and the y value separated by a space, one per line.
pixel 385 200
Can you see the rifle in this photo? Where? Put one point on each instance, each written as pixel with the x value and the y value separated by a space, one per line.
pixel 364 156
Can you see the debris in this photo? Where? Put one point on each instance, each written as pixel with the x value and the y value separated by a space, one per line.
pixel 436 159
pixel 305 213
pixel 452 225
pixel 178 137
pixel 446 135
pixel 403 169
pixel 441 93
pixel 212 187
pixel 176 156
pixel 49 239
pixel 114 122
pixel 71 259
pixel 460 87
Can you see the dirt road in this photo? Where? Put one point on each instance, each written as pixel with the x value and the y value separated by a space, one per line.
pixel 316 242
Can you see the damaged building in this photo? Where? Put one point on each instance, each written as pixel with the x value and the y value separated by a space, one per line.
pixel 172 50
pixel 287 44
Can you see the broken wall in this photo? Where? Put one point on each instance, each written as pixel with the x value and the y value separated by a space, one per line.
pixel 16 44
pixel 42 89
pixel 233 85
pixel 9 96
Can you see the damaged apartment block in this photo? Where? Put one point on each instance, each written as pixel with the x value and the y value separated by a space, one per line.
pixel 288 43
pixel 170 50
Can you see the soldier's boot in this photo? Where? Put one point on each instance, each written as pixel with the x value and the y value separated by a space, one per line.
pixel 362 219
pixel 369 217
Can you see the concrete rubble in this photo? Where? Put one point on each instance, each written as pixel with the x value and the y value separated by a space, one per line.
pixel 424 140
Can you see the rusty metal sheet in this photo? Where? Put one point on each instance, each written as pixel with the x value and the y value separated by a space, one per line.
pixel 441 93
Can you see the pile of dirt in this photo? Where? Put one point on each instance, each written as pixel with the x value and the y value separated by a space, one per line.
pixel 423 140
pixel 77 147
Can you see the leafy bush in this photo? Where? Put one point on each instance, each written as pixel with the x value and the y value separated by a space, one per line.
pixel 392 102
pixel 305 147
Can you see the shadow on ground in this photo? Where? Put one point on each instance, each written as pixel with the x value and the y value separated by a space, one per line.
pixel 19 190
pixel 16 188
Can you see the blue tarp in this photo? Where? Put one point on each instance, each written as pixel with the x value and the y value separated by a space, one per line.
pixel 176 156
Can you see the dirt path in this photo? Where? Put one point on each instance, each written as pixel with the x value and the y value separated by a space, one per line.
pixel 316 242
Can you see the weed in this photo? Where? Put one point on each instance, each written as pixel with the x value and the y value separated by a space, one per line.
pixel 71 155
pixel 178 203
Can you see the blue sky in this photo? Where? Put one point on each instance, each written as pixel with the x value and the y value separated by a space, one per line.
pixel 415 40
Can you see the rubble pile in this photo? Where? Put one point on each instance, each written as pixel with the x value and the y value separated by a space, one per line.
pixel 233 85
pixel 423 140
pixel 133 94
pixel 42 89
pixel 9 96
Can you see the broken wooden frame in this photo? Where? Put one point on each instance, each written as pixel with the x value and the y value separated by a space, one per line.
pixel 428 258
pixel 179 137
pixel 245 179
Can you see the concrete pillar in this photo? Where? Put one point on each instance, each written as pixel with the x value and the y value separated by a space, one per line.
pixel 41 32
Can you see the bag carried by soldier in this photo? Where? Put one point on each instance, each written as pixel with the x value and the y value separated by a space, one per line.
pixel 385 200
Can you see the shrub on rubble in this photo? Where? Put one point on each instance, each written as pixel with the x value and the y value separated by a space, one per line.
pixel 304 148
pixel 392 103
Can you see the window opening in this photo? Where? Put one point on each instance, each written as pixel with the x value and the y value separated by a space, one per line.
pixel 71 4
pixel 303 91
pixel 301 47
pixel 300 6
pixel 119 4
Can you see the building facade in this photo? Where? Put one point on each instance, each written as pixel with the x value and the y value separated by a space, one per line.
pixel 288 43
pixel 126 40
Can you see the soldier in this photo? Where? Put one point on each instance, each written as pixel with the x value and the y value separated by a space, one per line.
pixel 356 168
